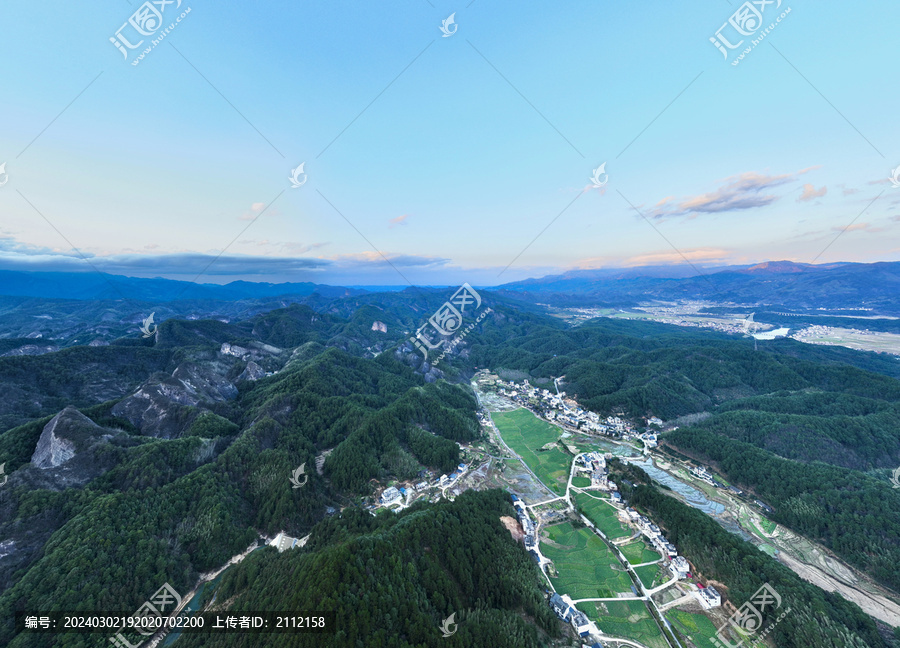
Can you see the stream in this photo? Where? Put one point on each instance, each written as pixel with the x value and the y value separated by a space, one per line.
pixel 693 497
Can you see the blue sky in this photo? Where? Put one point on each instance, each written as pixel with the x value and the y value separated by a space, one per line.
pixel 459 158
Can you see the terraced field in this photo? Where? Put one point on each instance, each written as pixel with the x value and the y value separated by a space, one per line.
pixel 647 574
pixel 526 434
pixel 603 515
pixel 638 553
pixel 586 566
pixel 697 628
pixel 625 619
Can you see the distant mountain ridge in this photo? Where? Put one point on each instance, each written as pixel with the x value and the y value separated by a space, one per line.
pixel 794 285
pixel 95 286
pixel 790 284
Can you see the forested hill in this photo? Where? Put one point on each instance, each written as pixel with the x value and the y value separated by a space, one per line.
pixel 394 578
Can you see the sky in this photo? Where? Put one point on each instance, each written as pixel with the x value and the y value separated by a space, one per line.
pixel 445 141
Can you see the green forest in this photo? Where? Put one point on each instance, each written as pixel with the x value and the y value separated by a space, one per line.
pixel 811 431
pixel 392 579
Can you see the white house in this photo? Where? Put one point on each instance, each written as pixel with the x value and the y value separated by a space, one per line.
pixel 709 597
pixel 390 495
pixel 583 626
pixel 679 567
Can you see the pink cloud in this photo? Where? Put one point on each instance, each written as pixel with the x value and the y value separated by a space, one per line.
pixel 810 192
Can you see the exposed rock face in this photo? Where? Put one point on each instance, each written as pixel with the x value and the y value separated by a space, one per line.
pixel 234 350
pixel 58 440
pixel 379 326
pixel 71 451
pixel 159 407
pixel 252 372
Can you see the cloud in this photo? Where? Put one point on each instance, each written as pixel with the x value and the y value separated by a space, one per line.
pixel 397 260
pixel 667 257
pixel 858 227
pixel 810 192
pixel 399 220
pixel 739 192
pixel 255 210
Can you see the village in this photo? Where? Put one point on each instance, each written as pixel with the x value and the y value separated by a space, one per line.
pixel 680 586
pixel 593 465
pixel 487 463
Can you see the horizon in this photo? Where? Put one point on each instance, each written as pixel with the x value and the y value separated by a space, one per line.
pixel 303 144
pixel 397 287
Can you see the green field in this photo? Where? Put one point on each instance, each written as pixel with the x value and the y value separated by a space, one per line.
pixel 586 566
pixel 525 433
pixel 648 577
pixel 638 553
pixel 629 619
pixel 581 482
pixel 697 628
pixel 603 516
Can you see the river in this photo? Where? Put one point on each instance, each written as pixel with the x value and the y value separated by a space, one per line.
pixel 693 497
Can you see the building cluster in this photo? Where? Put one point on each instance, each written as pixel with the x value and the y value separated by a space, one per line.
pixel 565 609
pixel 678 565
pixel 652 533
pixel 594 465
pixel 448 480
pixel 561 409
pixel 396 494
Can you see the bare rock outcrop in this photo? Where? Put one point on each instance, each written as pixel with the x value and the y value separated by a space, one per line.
pixel 57 443
pixel 166 407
